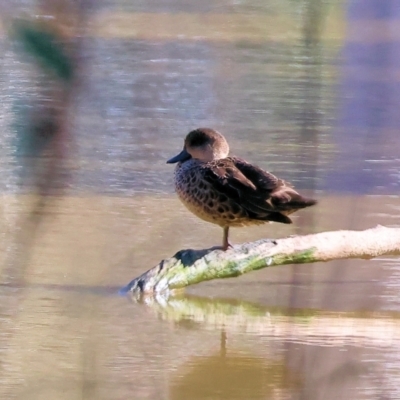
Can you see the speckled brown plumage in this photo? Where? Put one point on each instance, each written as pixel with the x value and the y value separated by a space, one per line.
pixel 228 191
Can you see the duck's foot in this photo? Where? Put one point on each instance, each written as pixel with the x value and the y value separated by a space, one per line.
pixel 225 242
pixel 224 247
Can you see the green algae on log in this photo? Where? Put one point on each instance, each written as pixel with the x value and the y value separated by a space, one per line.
pixel 188 267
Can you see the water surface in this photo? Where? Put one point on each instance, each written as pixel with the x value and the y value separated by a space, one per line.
pixel 293 91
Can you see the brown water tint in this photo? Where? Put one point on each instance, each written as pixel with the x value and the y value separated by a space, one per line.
pixel 305 89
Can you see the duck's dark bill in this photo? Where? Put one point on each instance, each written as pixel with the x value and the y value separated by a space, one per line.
pixel 182 156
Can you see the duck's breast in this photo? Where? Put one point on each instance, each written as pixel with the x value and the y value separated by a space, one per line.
pixel 204 200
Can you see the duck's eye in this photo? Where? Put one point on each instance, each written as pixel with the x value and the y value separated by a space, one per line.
pixel 198 141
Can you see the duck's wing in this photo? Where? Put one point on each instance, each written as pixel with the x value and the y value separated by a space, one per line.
pixel 260 194
pixel 242 189
pixel 262 180
pixel 279 193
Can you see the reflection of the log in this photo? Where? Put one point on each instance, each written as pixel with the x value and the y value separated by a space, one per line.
pixel 309 326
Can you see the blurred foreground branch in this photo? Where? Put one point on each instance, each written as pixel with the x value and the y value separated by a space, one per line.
pixel 50 44
pixel 188 267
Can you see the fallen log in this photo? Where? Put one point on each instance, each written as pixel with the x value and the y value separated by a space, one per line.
pixel 188 267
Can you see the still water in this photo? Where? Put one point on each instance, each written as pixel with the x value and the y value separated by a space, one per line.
pixel 307 90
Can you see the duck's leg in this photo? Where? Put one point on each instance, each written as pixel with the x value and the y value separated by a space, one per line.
pixel 225 242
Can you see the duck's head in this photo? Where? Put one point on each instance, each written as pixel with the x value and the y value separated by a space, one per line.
pixel 202 144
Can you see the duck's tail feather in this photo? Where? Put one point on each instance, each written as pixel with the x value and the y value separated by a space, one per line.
pixel 278 217
pixel 289 199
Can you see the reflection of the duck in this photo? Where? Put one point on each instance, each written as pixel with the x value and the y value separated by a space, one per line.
pixel 270 352
pixel 233 374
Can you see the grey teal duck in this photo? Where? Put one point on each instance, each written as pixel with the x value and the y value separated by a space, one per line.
pixel 229 191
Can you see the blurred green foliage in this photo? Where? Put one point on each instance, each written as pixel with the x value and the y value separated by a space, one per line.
pixel 45 46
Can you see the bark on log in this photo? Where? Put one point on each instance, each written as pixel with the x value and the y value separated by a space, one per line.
pixel 188 267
